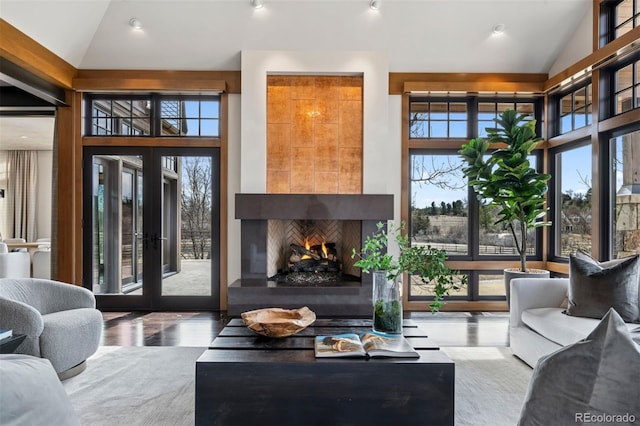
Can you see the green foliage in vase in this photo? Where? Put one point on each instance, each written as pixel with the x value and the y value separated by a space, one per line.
pixel 387 316
pixel 422 261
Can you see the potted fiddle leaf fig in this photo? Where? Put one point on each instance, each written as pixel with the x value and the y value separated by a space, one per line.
pixel 422 261
pixel 504 178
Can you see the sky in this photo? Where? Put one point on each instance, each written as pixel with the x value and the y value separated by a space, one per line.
pixel 576 163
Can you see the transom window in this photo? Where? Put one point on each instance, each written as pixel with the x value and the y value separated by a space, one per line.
pixel 152 115
pixel 488 112
pixel 438 119
pixel 122 117
pixel 618 17
pixel 575 109
pixel 627 88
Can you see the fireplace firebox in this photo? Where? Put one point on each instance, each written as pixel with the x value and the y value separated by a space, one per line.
pixel 296 251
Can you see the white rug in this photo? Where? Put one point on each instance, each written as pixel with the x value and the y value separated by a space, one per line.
pixel 155 386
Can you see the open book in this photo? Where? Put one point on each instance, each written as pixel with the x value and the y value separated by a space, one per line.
pixel 365 344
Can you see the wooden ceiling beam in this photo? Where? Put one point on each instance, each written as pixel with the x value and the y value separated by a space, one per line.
pixel 18 48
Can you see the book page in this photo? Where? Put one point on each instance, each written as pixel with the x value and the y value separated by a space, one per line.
pixel 376 344
pixel 347 344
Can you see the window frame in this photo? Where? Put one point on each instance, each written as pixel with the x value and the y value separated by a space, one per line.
pixel 450 146
pixel 554 199
pixel 155 114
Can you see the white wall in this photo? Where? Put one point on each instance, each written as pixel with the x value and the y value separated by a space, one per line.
pixel 233 186
pixel 579 46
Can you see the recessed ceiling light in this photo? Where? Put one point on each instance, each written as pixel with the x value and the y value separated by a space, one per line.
pixel 498 28
pixel 257 4
pixel 375 4
pixel 135 23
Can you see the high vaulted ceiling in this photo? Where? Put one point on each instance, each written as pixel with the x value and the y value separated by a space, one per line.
pixel 418 35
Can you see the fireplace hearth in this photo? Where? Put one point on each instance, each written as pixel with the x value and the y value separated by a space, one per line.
pixel 296 251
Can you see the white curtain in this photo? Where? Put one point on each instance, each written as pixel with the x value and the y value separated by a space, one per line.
pixel 21 194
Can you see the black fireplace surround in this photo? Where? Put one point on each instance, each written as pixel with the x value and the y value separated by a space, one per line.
pixel 254 290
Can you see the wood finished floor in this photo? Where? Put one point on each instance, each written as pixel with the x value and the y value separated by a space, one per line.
pixel 200 328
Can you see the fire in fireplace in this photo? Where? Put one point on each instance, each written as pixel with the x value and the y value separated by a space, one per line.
pixel 311 251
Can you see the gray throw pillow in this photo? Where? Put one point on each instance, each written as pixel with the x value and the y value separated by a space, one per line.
pixel 594 287
pixel 587 381
pixel 31 393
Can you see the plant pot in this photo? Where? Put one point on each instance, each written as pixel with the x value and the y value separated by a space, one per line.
pixel 511 273
pixel 387 304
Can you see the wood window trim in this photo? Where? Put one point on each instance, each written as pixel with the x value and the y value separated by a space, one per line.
pixel 158 80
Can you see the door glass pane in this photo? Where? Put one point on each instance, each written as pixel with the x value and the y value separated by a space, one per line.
pixel 128 224
pixel 186 226
pixel 626 164
pixel 117 224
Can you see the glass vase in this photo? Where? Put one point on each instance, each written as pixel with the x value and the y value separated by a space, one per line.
pixel 387 304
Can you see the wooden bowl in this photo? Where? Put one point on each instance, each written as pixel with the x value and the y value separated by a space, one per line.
pixel 278 322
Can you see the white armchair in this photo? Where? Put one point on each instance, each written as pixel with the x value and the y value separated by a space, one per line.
pixel 15 264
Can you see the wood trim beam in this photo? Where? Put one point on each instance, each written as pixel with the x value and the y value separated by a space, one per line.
pixel 397 80
pixel 69 192
pixel 559 268
pixel 491 265
pixel 157 80
pixel 618 121
pixel 581 133
pixel 461 306
pixel 597 58
pixel 17 47
pixel 160 142
pixel 473 87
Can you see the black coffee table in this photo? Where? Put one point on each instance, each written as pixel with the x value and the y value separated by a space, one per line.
pixel 245 379
pixel 10 344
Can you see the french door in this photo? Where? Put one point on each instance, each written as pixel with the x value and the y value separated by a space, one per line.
pixel 151 228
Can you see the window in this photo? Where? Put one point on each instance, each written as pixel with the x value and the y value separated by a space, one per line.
pixel 438 119
pixel 575 109
pixel 627 88
pixel 439 207
pixel 618 17
pixel 488 112
pixel 152 115
pixel 190 117
pixel 120 117
pixel 626 194
pixel 442 210
pixel 572 219
pixel 497 239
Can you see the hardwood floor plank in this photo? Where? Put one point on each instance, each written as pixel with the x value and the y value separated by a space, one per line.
pixel 200 328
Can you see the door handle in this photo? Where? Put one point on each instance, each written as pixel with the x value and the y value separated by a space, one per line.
pixel 155 239
pixel 145 240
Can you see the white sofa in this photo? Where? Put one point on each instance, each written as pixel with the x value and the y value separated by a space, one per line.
pixel 538 325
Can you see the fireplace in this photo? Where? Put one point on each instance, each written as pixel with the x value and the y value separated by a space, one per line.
pixel 282 259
